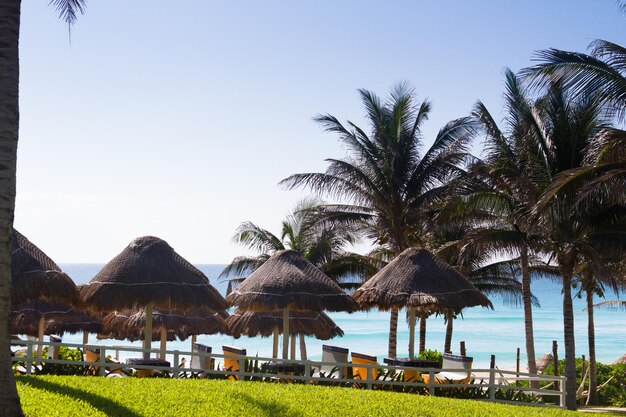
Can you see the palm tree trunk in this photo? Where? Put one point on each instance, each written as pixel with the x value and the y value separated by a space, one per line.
pixel 568 336
pixel 9 123
pixel 592 399
pixel 449 328
pixel 528 316
pixel 393 332
pixel 422 334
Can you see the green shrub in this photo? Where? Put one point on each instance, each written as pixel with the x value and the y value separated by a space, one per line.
pixel 432 355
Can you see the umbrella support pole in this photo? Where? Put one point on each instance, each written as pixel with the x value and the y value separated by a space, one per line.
pixel 163 343
pixel 293 347
pixel 422 334
pixel 147 339
pixel 411 333
pixel 85 337
pixel 275 344
pixel 302 348
pixel 40 337
pixel 286 333
pixel 193 341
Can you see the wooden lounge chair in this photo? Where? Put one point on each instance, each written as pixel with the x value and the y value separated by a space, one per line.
pixel 231 361
pixel 116 370
pixel 455 377
pixel 201 359
pixel 361 373
pixel 336 355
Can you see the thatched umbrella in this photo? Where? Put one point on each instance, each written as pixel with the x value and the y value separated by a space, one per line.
pixel 75 322
pixel 418 280
pixel 148 274
pixel 35 277
pixel 621 359
pixel 544 361
pixel 302 323
pixel 166 325
pixel 288 281
pixel 29 319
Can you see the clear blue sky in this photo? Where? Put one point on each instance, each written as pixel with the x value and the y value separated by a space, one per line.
pixel 178 119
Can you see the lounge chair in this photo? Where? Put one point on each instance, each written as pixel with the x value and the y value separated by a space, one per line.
pixel 231 361
pixel 53 351
pixel 114 371
pixel 336 355
pixel 456 377
pixel 361 373
pixel 201 359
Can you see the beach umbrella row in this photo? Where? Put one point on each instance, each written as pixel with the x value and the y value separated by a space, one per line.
pixel 148 274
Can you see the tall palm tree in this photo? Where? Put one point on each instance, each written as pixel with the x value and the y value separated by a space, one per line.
pixel 497 195
pixel 322 243
pixel 574 236
pixel 9 126
pixel 387 182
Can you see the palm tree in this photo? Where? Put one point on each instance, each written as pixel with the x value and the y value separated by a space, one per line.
pixel 575 235
pixel 322 243
pixel 603 73
pixel 9 126
pixel 497 195
pixel 387 182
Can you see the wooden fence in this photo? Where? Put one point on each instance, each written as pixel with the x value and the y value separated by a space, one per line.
pixel 491 384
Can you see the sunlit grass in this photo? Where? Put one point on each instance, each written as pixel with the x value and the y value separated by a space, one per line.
pixel 47 396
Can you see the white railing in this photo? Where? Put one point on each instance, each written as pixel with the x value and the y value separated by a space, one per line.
pixel 502 381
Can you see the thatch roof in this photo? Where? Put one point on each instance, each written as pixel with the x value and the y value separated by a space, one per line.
pixel 621 359
pixel 130 325
pixel 25 317
pixel 150 271
pixel 308 323
pixel 544 361
pixel 288 280
pixel 75 322
pixel 416 278
pixel 35 277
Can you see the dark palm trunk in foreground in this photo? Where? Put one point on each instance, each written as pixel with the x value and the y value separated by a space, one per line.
pixel 9 123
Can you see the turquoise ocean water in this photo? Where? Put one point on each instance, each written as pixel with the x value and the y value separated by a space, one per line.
pixel 485 332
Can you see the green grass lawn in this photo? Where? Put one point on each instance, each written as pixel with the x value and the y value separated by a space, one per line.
pixel 49 396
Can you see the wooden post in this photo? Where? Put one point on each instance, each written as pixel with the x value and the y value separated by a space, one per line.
pixel 302 348
pixel 293 347
pixel 176 364
pixel 492 378
pixel 193 341
pixel 275 344
pixel 555 354
pixel 163 343
pixel 40 337
pixel 147 340
pixel 422 334
pixel 29 358
pixel 517 367
pixel 463 352
pixel 411 332
pixel 85 337
pixel 102 361
pixel 583 368
pixel 286 333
